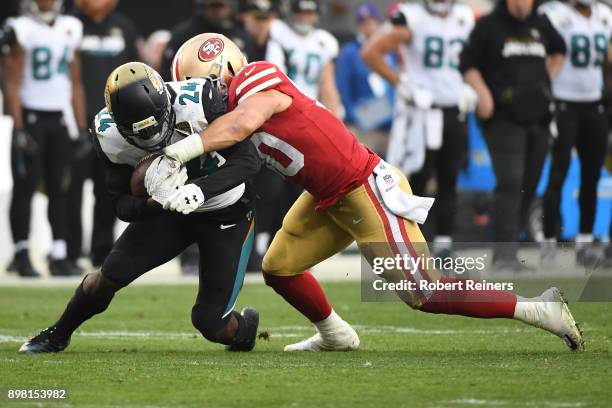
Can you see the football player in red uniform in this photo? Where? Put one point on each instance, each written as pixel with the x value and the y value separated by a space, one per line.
pixel 351 195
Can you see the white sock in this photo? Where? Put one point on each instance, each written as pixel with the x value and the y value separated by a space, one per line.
pixel 22 246
pixel 583 239
pixel 526 309
pixel 58 250
pixel 329 323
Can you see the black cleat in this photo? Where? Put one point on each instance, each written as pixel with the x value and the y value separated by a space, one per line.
pixel 589 256
pixel 47 341
pixel 63 267
pixel 22 266
pixel 251 316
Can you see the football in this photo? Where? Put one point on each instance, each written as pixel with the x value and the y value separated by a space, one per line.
pixel 137 186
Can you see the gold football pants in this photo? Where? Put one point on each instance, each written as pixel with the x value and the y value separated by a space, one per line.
pixel 308 237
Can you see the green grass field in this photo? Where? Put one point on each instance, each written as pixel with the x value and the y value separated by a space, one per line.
pixel 144 352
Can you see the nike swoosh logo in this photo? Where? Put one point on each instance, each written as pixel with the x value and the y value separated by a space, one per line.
pixel 249 72
pixel 357 221
pixel 223 226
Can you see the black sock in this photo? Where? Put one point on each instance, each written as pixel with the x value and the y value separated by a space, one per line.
pixel 81 307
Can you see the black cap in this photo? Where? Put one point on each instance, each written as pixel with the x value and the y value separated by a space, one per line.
pixel 207 3
pixel 259 6
pixel 298 6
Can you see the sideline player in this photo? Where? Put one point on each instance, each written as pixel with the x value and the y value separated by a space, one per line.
pixel 430 36
pixel 351 194
pixel 582 120
pixel 45 98
pixel 143 115
pixel 308 53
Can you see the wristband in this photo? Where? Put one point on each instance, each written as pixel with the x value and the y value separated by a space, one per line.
pixel 186 149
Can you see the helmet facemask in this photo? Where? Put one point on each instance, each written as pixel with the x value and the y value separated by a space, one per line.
pixel 47 17
pixel 439 7
pixel 139 103
pixel 151 134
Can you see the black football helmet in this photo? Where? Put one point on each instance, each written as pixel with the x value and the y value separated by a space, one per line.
pixel 139 103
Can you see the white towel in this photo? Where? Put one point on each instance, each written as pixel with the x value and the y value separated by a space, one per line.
pixel 413 131
pixel 409 206
pixel 434 121
pixel 406 148
pixel 70 122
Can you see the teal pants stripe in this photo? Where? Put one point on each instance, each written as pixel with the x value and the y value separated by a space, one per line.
pixel 245 253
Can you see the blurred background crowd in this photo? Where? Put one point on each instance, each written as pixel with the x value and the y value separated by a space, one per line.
pixel 470 100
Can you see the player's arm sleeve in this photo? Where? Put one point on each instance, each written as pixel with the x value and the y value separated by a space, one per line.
pixel 398 18
pixel 8 38
pixel 555 43
pixel 127 207
pixel 242 163
pixel 473 54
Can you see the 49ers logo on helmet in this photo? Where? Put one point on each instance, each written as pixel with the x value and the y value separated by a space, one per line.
pixel 210 49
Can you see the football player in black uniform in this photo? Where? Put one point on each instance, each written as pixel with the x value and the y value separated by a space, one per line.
pixel 215 209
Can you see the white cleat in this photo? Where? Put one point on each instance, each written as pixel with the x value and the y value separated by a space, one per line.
pixel 342 338
pixel 554 316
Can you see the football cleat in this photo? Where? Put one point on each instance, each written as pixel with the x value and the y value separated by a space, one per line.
pixel 548 252
pixel 251 316
pixel 589 256
pixel 63 267
pixel 47 341
pixel 342 338
pixel 554 316
pixel 22 266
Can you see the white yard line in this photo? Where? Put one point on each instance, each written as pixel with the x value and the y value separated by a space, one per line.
pixel 276 332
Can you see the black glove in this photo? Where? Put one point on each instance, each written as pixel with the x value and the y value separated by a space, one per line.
pixel 82 146
pixel 24 142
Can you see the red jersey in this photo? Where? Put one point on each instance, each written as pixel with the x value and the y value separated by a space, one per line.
pixel 306 143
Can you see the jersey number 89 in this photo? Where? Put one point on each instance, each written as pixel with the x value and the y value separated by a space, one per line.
pixel 581 50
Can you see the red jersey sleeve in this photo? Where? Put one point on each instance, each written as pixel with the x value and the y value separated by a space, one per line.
pixel 252 78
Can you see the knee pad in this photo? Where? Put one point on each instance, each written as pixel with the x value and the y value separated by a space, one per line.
pixel 208 320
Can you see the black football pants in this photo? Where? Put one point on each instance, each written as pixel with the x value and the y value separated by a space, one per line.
pixel 517 154
pixel 445 163
pixel 224 239
pixel 585 126
pixel 51 165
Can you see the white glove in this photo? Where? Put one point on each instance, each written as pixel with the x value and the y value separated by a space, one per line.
pixel 168 187
pixel 160 169
pixel 468 99
pixel 186 199
pixel 554 130
pixel 415 95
